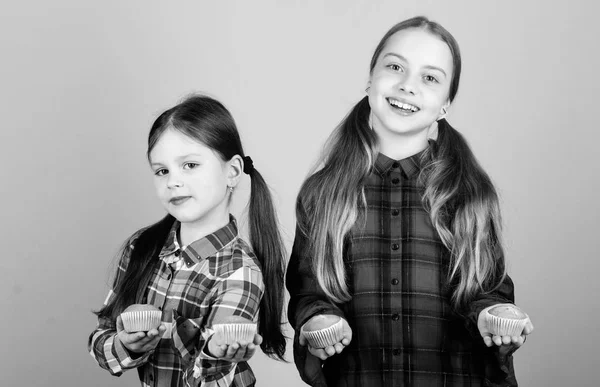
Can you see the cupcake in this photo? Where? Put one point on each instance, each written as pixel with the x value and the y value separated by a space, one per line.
pixel 235 329
pixel 323 331
pixel 138 318
pixel 506 320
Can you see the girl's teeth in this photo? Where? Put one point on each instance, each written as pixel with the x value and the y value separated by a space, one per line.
pixel 404 106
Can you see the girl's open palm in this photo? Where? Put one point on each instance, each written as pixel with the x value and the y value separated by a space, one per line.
pixel 324 353
pixel 235 352
pixel 506 343
pixel 139 342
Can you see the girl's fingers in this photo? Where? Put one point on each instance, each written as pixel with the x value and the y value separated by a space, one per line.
pixel 241 352
pixel 152 333
pixel 231 351
pixel 119 324
pixel 339 347
pixel 302 340
pixel 506 339
pixel 258 339
pixel 523 339
pixel 318 352
pixel 330 350
pixel 487 340
pixel 497 340
pixel 132 338
pixel 221 350
pixel 250 350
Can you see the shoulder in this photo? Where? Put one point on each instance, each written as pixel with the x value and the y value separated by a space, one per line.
pixel 128 247
pixel 234 256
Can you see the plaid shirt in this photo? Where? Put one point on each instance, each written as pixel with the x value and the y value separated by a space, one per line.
pixel 212 278
pixel 404 330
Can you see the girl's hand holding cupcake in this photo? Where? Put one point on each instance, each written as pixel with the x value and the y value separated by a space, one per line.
pixel 235 352
pixel 139 328
pixel 234 340
pixel 326 335
pixel 504 325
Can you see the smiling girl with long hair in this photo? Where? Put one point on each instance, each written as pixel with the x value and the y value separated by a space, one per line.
pixel 400 235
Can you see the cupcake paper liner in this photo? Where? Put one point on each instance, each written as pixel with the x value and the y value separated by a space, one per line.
pixel 506 326
pixel 326 337
pixel 235 333
pixel 141 320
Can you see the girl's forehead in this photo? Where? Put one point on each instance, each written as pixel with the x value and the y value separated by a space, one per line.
pixel 419 46
pixel 173 142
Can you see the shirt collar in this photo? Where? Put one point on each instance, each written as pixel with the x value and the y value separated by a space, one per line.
pixel 410 165
pixel 202 248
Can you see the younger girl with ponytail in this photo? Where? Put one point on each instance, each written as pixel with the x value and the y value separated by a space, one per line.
pixel 192 264
pixel 400 236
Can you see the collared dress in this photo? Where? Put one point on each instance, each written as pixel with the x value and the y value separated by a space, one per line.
pixel 405 331
pixel 205 282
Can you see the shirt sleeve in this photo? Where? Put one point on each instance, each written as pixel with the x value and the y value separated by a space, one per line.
pixel 307 299
pixel 504 294
pixel 499 370
pixel 104 344
pixel 239 294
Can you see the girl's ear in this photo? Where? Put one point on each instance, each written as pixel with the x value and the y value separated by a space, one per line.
pixel 444 111
pixel 235 168
pixel 368 87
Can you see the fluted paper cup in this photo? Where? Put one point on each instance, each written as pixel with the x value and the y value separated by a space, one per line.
pixel 324 337
pixel 236 332
pixel 510 322
pixel 141 320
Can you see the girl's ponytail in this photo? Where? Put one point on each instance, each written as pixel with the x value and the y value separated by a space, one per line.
pixel 464 209
pixel 332 200
pixel 266 242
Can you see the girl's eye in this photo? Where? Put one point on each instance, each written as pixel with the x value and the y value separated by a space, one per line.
pixel 190 165
pixel 430 78
pixel 161 172
pixel 394 67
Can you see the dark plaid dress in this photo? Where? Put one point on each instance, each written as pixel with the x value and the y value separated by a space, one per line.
pixel 405 331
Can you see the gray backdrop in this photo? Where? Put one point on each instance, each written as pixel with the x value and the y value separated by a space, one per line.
pixel 81 82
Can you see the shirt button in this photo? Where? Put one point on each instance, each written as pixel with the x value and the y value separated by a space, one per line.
pixel 395 165
pixel 396 317
pixel 395 212
pixel 395 281
pixel 395 246
pixel 396 352
pixel 395 180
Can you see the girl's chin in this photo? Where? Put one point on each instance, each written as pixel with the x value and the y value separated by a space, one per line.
pixel 404 130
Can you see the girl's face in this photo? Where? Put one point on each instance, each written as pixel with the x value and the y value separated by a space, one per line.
pixel 410 83
pixel 191 179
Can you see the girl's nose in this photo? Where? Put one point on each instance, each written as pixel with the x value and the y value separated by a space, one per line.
pixel 407 85
pixel 174 181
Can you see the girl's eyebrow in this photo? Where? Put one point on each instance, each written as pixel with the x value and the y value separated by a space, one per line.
pixel 179 158
pixel 430 67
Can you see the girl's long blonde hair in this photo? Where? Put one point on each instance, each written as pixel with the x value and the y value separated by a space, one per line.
pixel 458 194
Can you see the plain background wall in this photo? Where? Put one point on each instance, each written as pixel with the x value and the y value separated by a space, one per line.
pixel 81 83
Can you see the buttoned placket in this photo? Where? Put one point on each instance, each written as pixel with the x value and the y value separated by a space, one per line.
pixel 394 281
pixel 167 269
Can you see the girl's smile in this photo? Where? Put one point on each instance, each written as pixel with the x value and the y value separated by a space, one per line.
pixel 402 107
